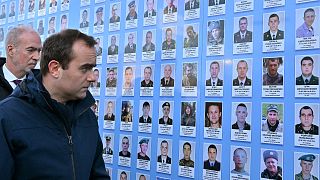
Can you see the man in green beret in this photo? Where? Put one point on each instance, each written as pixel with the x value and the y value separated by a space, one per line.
pixel 306 163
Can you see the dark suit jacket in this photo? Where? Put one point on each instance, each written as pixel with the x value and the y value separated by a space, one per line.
pixel 169 122
pixel 84 24
pixel 219 82
pixel 114 52
pixel 114 19
pixel 236 82
pixel 168 160
pixel 95 24
pixel 267 36
pixel 107 118
pixel 144 84
pixel 142 121
pixel 247 38
pixel 166 9
pixel 5 87
pixel 187 5
pixel 130 50
pixel 211 2
pixel 170 83
pixel 216 166
pixel 153 13
pixel 314 80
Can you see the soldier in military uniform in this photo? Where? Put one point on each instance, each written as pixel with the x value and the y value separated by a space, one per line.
pixel 111 80
pixel 272 171
pixel 272 77
pixel 186 160
pixel 306 164
pixel 169 43
pixel 143 149
pixel 166 111
pixel 215 34
pixel 306 117
pixel 107 149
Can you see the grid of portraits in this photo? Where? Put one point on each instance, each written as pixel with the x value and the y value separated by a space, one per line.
pixel 200 89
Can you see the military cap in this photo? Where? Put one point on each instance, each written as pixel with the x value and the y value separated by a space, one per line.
pixel 108 138
pixel 131 4
pixel 214 25
pixel 100 9
pixel 270 154
pixel 144 140
pixel 272 107
pixel 165 104
pixel 308 157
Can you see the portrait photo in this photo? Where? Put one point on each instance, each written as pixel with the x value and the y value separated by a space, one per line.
pixel 190 34
pixel 109 113
pixel 64 21
pixel 306 20
pixel 271 164
pixel 187 153
pixel 123 175
pixel 130 42
pixel 306 165
pixel 188 113
pixel 113 48
pixel 307 118
pixel 241 161
pixel 144 148
pixel 273 70
pixel 149 40
pixel 272 117
pixel 169 38
pixel 115 9
pixel 125 143
pixel 214 73
pixel 145 111
pixel 213 114
pixel 168 75
pixel 212 154
pixel 84 18
pixel 242 72
pixel 215 34
pixel 112 77
pixel 127 111
pixel 307 69
pixel 147 75
pixel 243 28
pixel 273 26
pixel 189 74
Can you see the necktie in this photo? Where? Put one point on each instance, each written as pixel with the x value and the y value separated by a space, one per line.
pixel 306 81
pixel 149 14
pixel 273 37
pixel 242 36
pixel 217 2
pixel 211 164
pixel 17 81
pixel 170 11
pixel 145 120
pixel 167 82
pixel 241 84
pixel 213 84
pixel 163 161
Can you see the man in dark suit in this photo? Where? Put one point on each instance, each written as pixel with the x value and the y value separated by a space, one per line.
pixel 214 73
pixel 84 22
pixel 243 35
pixel 145 118
pixel 167 80
pixel 113 48
pixel 130 47
pixel 19 61
pixel 242 80
pixel 191 4
pixel 150 9
pixel 109 115
pixel 170 8
pixel 147 73
pixel 212 163
pixel 216 2
pixel 166 112
pixel 274 33
pixel 307 78
pixel 164 158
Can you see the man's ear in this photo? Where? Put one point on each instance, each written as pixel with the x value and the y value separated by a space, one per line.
pixel 10 49
pixel 54 68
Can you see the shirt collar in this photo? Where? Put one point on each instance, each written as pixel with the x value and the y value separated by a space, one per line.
pixel 9 76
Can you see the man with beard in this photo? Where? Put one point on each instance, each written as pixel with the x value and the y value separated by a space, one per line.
pixel 189 79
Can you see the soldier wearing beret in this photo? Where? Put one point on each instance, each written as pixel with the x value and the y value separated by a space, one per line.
pixel 107 149
pixel 132 11
pixel 272 123
pixel 143 149
pixel 99 15
pixel 272 171
pixel 215 34
pixel 186 160
pixel 306 163
pixel 166 111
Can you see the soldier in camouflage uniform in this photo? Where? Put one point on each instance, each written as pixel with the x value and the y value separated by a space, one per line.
pixel 186 160
pixel 306 164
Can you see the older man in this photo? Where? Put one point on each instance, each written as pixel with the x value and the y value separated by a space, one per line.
pixel 55 106
pixel 23 46
pixel 272 171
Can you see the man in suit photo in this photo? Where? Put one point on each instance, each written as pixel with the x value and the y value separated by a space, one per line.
pixel 242 80
pixel 216 2
pixel 167 80
pixel 109 114
pixel 147 74
pixel 211 163
pixel 214 75
pixel 131 46
pixel 113 48
pixel 191 4
pixel 243 35
pixel 306 77
pixel 150 9
pixel 274 33
pixel 145 118
pixel 170 8
pixel 85 22
pixel 166 112
pixel 163 157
